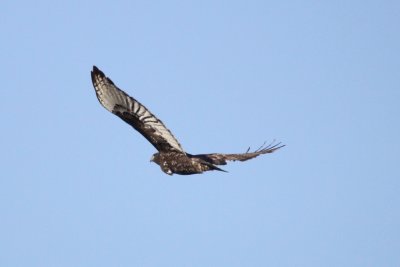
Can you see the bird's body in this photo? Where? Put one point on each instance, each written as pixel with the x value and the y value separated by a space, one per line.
pixel 170 157
pixel 182 163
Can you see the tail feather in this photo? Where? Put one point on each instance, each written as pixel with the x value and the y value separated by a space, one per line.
pixel 210 167
pixel 217 169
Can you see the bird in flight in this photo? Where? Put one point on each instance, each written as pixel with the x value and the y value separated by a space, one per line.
pixel 170 156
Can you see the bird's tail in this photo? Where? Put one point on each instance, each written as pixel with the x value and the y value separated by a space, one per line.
pixel 214 168
pixel 205 164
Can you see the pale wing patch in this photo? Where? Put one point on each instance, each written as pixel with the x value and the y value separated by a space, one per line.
pixel 111 97
pixel 107 93
pixel 151 121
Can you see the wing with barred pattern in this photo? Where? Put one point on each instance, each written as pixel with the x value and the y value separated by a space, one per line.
pixel 133 112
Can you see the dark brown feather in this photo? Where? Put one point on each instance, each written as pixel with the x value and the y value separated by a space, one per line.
pixel 221 159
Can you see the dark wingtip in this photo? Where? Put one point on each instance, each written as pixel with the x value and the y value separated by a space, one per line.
pixel 271 147
pixel 97 71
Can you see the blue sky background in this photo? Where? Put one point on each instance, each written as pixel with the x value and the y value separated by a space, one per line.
pixel 77 188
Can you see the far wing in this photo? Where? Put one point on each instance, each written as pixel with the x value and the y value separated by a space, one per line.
pixel 133 112
pixel 221 159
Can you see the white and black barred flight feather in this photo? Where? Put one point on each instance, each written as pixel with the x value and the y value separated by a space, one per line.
pixel 171 157
pixel 133 112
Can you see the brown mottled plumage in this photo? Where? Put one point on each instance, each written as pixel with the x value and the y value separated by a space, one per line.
pixel 171 157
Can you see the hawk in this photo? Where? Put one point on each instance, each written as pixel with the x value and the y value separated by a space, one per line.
pixel 170 157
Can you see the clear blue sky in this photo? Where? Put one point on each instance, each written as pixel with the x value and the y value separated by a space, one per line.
pixel 77 188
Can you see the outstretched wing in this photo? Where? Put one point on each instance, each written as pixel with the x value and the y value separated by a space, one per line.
pixel 133 112
pixel 221 159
